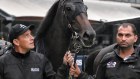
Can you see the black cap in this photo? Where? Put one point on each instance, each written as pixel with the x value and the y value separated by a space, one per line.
pixel 18 30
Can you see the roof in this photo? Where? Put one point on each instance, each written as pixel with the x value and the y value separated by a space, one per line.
pixel 111 11
pixel 4 15
pixel 97 10
pixel 20 8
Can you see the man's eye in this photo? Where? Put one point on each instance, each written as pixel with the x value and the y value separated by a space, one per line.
pixel 26 36
pixel 120 34
pixel 128 35
pixel 32 34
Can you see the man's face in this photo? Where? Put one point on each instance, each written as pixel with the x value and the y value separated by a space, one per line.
pixel 26 41
pixel 125 37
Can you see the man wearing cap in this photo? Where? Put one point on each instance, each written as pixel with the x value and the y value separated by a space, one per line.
pixel 22 63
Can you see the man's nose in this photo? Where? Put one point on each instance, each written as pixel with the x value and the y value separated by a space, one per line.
pixel 124 37
pixel 32 37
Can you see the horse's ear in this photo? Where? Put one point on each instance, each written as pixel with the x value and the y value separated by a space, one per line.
pixel 61 2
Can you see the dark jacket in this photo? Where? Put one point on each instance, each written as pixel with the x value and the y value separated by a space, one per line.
pixel 114 67
pixel 101 54
pixel 32 65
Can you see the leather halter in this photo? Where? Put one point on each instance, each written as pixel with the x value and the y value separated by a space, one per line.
pixel 75 44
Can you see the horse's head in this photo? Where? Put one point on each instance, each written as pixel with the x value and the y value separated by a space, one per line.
pixel 53 35
pixel 75 13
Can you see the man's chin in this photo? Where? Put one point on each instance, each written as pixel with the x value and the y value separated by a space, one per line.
pixel 32 47
pixel 123 45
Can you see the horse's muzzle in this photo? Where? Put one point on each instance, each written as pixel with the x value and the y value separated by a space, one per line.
pixel 88 38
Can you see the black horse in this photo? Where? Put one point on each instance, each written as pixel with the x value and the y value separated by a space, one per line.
pixel 66 18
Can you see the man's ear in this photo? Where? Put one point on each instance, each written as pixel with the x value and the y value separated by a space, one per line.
pixel 16 42
pixel 136 38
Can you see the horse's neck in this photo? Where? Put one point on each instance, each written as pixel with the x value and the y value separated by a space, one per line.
pixel 58 37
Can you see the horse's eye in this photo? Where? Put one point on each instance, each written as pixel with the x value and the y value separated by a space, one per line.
pixel 68 8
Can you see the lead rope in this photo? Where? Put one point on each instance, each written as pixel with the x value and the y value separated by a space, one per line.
pixel 74 47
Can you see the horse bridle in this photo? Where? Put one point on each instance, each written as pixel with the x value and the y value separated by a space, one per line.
pixel 75 44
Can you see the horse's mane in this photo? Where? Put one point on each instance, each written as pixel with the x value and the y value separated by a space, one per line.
pixel 43 28
pixel 47 21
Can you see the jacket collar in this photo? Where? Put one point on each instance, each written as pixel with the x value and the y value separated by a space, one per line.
pixel 19 55
pixel 132 58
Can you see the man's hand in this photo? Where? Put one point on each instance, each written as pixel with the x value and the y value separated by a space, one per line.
pixel 68 58
pixel 75 71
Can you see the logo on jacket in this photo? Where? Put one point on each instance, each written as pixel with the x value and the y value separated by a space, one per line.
pixel 34 69
pixel 111 64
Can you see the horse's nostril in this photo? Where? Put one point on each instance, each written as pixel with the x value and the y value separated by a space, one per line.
pixel 88 37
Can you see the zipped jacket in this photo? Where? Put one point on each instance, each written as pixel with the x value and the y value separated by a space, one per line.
pixel 112 66
pixel 32 65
